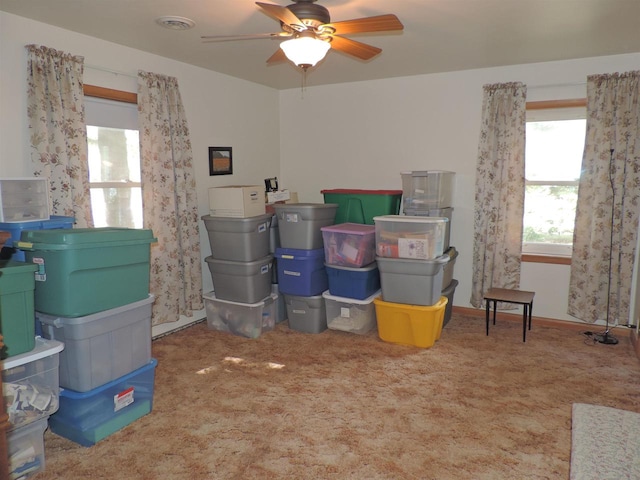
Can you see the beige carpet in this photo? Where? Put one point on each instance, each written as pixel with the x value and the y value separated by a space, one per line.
pixel 341 406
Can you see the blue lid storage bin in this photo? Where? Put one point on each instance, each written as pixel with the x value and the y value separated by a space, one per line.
pixel 350 282
pixel 301 272
pixel 86 418
pixel 55 222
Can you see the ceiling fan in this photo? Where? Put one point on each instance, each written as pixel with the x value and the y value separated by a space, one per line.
pixel 309 33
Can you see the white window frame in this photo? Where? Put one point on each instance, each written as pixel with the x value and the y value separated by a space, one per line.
pixel 115 109
pixel 549 111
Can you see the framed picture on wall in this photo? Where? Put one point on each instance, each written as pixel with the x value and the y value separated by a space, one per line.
pixel 220 161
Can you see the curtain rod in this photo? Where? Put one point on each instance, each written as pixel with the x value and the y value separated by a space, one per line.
pixel 554 85
pixel 114 72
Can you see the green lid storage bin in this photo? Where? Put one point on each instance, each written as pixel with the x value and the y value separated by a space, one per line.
pixel 88 270
pixel 17 309
pixel 360 206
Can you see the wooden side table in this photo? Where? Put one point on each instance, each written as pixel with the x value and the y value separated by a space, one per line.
pixel 508 295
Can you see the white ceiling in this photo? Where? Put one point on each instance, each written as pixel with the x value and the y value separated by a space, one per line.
pixel 439 35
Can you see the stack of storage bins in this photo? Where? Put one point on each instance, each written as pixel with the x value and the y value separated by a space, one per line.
pixel 354 280
pixel 92 294
pixel 243 301
pixel 411 263
pixel 429 193
pixel 302 277
pixel 29 370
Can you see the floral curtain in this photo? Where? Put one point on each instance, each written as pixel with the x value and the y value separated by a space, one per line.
pixel 169 198
pixel 55 108
pixel 605 234
pixel 499 199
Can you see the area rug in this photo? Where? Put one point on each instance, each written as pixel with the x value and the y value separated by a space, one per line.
pixel 605 443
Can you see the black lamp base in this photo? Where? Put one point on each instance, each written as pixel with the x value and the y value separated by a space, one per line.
pixel 606 338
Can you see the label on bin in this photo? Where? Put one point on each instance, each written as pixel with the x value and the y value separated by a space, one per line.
pixel 291 217
pixel 262 228
pixel 123 399
pixel 41 274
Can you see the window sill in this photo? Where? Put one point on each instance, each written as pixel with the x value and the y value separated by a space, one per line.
pixel 556 260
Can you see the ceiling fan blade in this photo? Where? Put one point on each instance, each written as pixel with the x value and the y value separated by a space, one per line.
pixel 380 23
pixel 277 57
pixel 353 48
pixel 282 14
pixel 228 38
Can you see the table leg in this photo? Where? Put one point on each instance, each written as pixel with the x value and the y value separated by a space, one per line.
pixel 487 315
pixel 524 322
pixel 530 310
pixel 495 307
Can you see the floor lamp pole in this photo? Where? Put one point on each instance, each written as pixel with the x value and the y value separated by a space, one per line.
pixel 605 337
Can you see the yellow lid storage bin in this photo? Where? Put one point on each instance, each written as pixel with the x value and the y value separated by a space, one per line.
pixel 415 325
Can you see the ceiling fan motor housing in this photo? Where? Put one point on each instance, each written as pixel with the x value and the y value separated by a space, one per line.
pixel 309 13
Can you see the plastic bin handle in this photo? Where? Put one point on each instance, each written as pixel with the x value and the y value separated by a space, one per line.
pixel 55 321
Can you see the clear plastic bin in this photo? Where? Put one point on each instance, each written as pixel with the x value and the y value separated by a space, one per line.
pixel 30 383
pixel 244 319
pixel 427 189
pixel 24 199
pixel 349 314
pixel 349 244
pixel 401 236
pixel 26 450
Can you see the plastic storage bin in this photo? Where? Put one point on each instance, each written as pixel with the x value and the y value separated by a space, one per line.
pixel 238 239
pixel 281 308
pixel 17 306
pixel 244 319
pixel 349 314
pixel 24 199
pixel 349 244
pixel 87 270
pixel 86 418
pixel 401 236
pixel 417 282
pixel 427 189
pixel 350 282
pixel 448 292
pixel 301 272
pixel 243 282
pixel 360 206
pixel 30 383
pixel 25 447
pixel 436 212
pixel 103 346
pixel 306 314
pixel 299 224
pixel 55 222
pixel 410 324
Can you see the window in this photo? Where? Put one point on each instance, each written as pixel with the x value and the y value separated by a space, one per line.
pixel 114 163
pixel 553 160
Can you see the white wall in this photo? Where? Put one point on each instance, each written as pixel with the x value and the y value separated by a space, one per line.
pixel 362 135
pixel 221 110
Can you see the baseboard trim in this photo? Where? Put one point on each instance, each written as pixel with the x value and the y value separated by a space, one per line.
pixel 547 322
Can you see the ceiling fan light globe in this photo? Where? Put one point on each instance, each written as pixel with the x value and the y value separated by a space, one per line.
pixel 305 50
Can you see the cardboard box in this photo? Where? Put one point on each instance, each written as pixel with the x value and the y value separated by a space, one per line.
pixel 238 201
pixel 278 196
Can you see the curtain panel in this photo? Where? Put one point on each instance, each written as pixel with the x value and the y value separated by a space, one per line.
pixel 499 195
pixel 605 234
pixel 57 130
pixel 169 202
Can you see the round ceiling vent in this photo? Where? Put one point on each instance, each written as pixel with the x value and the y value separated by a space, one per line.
pixel 175 23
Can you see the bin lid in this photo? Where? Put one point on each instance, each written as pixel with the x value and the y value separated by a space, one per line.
pixel 82 238
pixel 9 267
pixel 299 254
pixel 350 228
pixel 43 348
pixel 355 301
pixel 409 219
pixel 348 191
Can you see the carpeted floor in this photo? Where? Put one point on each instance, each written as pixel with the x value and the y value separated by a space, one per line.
pixel 341 406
